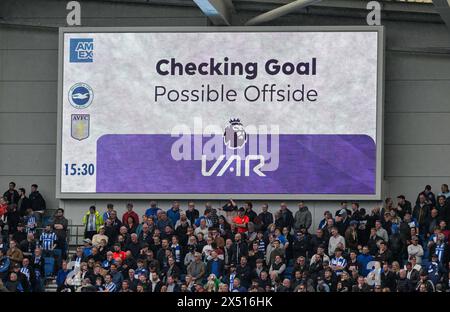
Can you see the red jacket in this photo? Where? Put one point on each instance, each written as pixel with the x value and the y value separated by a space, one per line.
pixel 130 214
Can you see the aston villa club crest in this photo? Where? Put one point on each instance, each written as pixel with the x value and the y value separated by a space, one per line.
pixel 235 136
pixel 80 126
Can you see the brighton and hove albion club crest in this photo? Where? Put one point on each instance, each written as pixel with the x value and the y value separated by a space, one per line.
pixel 80 126
pixel 81 95
pixel 235 136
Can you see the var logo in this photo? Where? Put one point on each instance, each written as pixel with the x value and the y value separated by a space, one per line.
pixel 82 50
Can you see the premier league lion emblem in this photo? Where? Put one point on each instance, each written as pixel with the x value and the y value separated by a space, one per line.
pixel 235 135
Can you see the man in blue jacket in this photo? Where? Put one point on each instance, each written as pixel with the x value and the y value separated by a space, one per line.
pixel 4 265
pixel 174 213
pixel 363 260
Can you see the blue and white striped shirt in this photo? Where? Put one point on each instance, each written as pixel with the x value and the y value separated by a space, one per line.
pixel 31 224
pixel 341 262
pixel 111 287
pixel 440 252
pixel 47 240
pixel 26 271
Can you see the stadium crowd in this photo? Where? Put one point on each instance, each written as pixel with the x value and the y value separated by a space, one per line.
pixel 395 247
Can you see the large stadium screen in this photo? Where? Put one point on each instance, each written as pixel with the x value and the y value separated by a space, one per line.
pixel 266 113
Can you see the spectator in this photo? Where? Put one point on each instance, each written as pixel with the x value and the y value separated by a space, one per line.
pixel 236 286
pixel 97 238
pixel 130 213
pixel 152 212
pixel 48 241
pixel 424 282
pixel 24 203
pixel 5 265
pixel 92 222
pixel 192 214
pixel 429 196
pixel 416 250
pixel 265 216
pixel 363 260
pixel 11 195
pixel 286 216
pixel 106 215
pixel 30 221
pixel 361 285
pixel 38 266
pixel 303 217
pixel 444 191
pixel 351 235
pixel 60 227
pixel 421 213
pixel 335 239
pixel 37 201
pixel 61 276
pixel 197 268
pixel 338 262
pixel 14 254
pixel 241 221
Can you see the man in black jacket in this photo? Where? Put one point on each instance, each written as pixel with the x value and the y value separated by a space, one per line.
pixel 37 201
pixel 286 216
pixel 265 216
pixel 239 248
pixel 23 203
pixel 403 206
pixel 244 272
pixel 421 213
pixel 388 278
pixel 403 283
pixel 155 284
pixel 11 195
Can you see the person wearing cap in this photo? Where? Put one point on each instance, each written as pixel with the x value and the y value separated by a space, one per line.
pixel 241 221
pixel 92 221
pixel 351 235
pixel 434 269
pixel 338 263
pixel 415 249
pixel 342 221
pixel 97 238
pixel 87 248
